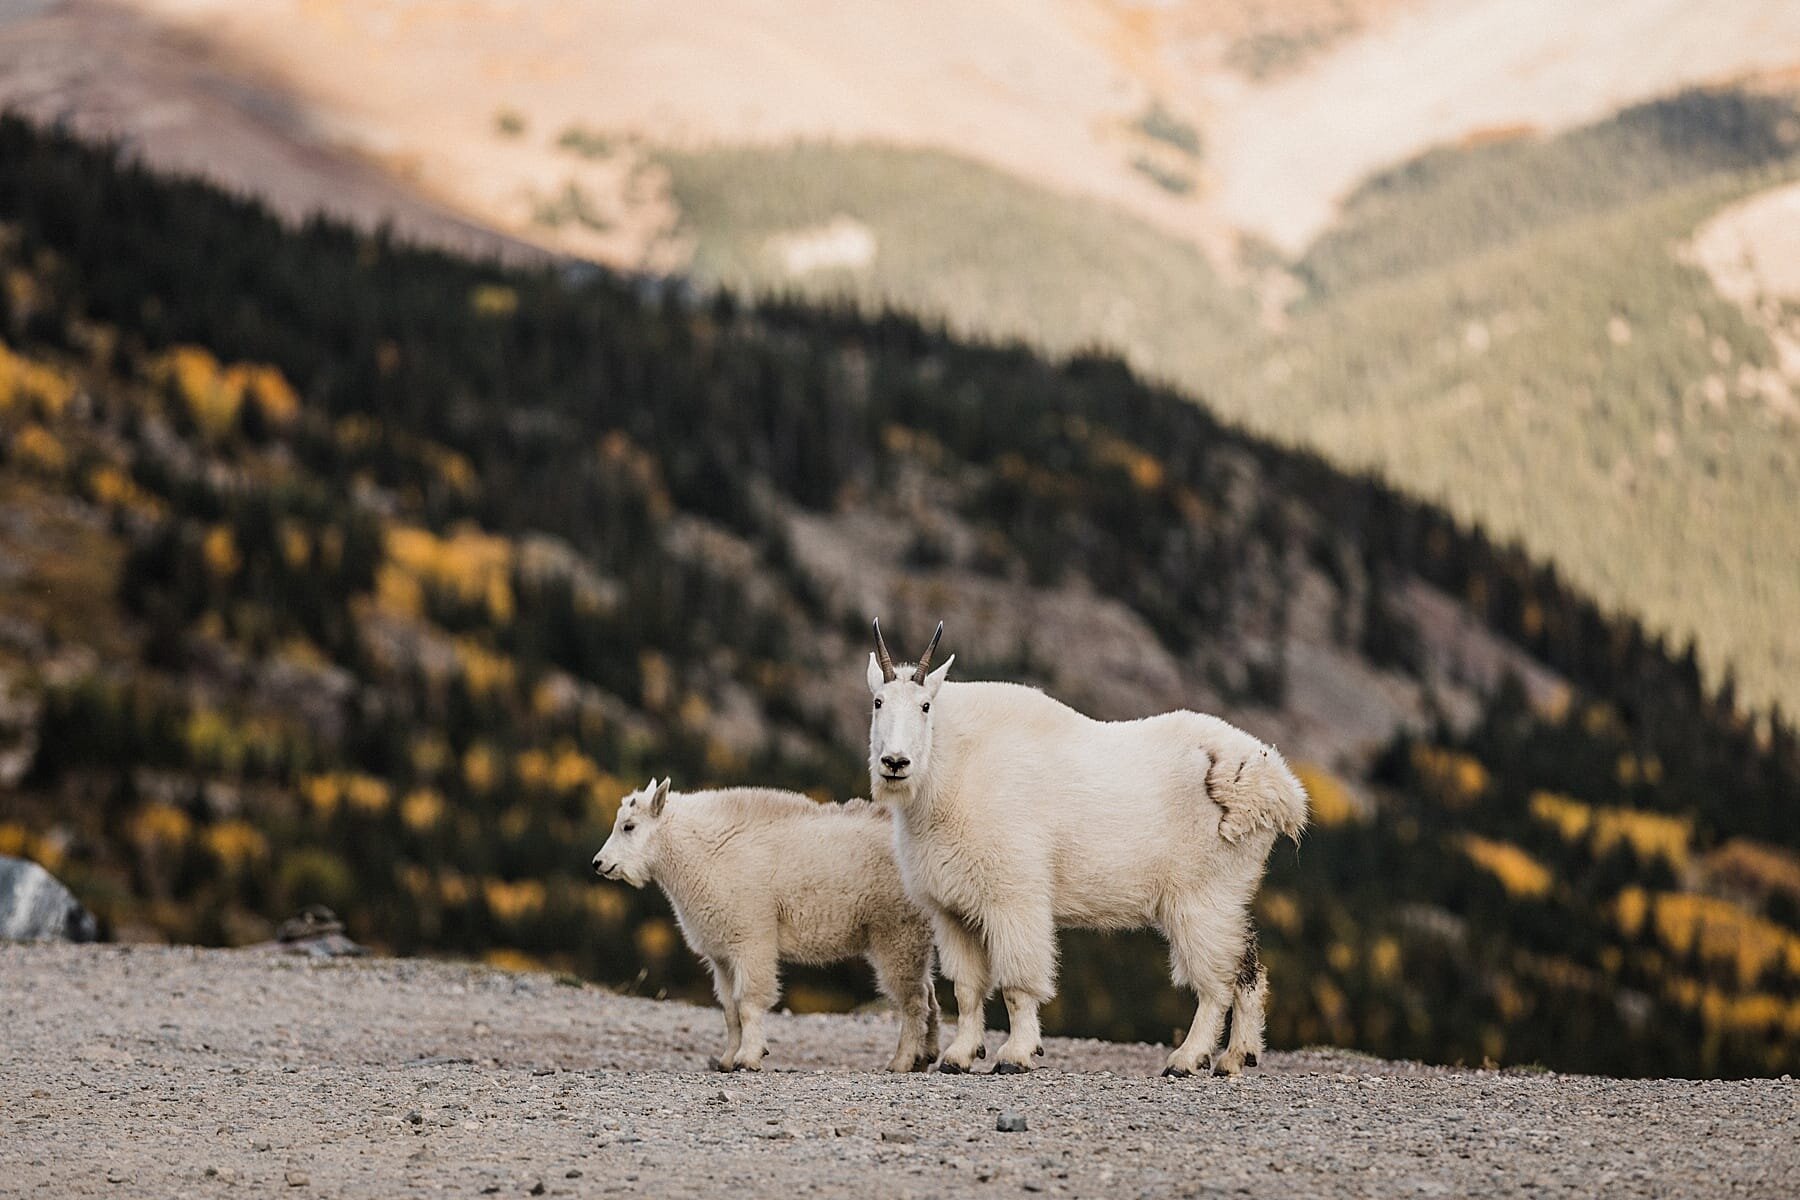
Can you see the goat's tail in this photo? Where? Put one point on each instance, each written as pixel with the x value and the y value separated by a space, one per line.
pixel 1256 790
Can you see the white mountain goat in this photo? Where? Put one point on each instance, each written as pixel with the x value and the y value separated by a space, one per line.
pixel 1016 814
pixel 756 876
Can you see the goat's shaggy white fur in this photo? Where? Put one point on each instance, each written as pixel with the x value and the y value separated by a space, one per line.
pixel 1017 814
pixel 757 876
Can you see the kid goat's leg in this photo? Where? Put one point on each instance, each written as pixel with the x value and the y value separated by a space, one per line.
pixel 734 1031
pixel 903 972
pixel 758 983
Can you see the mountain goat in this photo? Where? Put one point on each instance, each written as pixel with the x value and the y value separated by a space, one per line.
pixel 1016 814
pixel 756 876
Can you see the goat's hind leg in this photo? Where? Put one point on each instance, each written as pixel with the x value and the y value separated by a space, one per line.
pixel 1249 995
pixel 1205 948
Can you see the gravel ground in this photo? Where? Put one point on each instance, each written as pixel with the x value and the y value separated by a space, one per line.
pixel 179 1072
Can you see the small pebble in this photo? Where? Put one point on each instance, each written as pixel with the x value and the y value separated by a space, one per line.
pixel 1010 1122
pixel 297 1179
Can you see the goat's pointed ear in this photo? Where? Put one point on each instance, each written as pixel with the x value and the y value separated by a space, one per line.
pixel 935 680
pixel 876 678
pixel 659 795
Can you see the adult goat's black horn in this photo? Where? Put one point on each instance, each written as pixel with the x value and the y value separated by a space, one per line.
pixel 925 658
pixel 882 656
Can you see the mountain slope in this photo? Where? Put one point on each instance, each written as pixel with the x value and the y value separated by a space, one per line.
pixel 1517 330
pixel 396 570
pixel 1157 180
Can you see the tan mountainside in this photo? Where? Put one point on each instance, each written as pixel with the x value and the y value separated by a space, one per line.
pixel 1290 104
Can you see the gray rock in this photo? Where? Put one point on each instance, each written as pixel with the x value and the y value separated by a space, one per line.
pixel 1010 1122
pixel 315 932
pixel 34 907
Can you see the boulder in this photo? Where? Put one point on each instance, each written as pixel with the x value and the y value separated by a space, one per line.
pixel 316 932
pixel 35 907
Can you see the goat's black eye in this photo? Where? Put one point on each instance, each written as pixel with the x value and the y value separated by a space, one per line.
pixel 878 702
pixel 925 707
pixel 628 826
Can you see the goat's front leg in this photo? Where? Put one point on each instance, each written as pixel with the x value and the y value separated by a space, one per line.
pixel 757 980
pixel 1024 1035
pixel 964 962
pixel 1022 953
pixel 734 1030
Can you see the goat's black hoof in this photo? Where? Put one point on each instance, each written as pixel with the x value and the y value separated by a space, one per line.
pixel 1249 1060
pixel 923 1062
pixel 981 1052
pixel 1009 1068
pixel 1176 1073
pixel 949 1068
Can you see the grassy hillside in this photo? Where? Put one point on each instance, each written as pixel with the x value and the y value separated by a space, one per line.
pixel 1582 390
pixel 349 573
pixel 1453 203
pixel 1508 329
pixel 990 254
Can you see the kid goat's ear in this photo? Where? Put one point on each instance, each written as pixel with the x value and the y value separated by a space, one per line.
pixel 659 795
pixel 935 680
pixel 876 678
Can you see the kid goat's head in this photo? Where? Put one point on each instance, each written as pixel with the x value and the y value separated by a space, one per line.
pixel 900 729
pixel 628 853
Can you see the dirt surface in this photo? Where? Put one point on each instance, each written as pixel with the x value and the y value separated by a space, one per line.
pixel 165 1072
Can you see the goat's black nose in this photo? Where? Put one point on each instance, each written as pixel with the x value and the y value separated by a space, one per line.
pixel 896 762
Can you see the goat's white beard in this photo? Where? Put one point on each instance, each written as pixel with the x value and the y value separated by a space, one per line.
pixel 891 791
pixel 909 798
